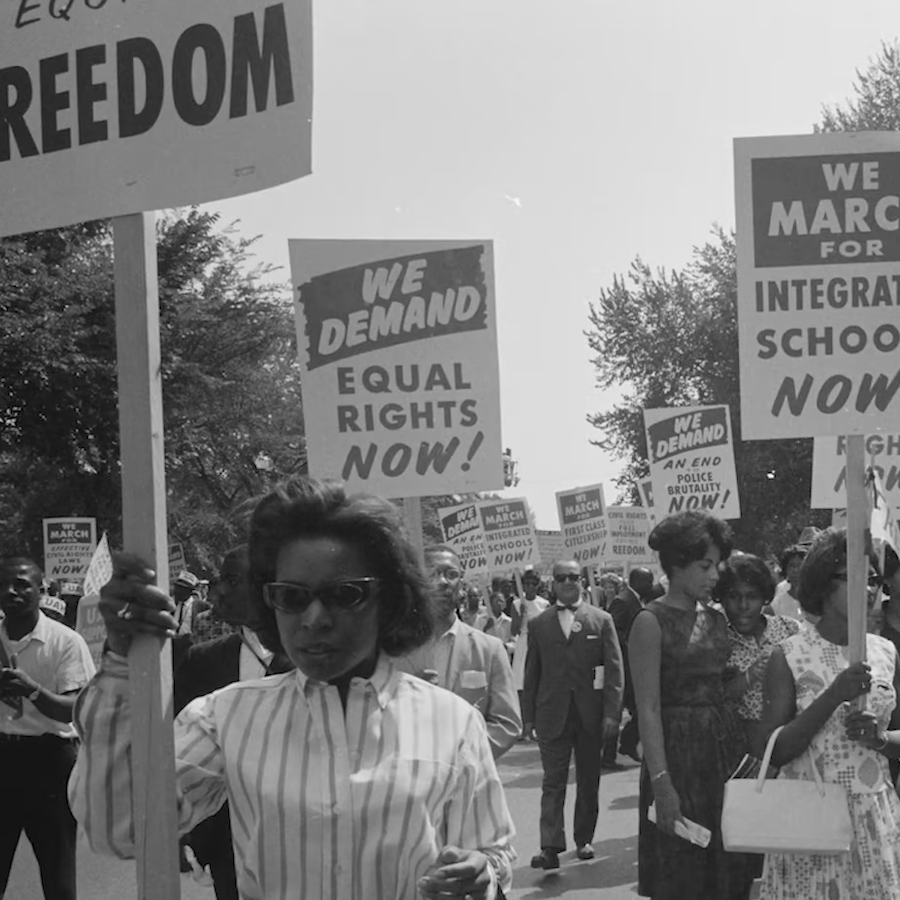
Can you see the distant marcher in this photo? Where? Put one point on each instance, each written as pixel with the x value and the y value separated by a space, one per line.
pixel 629 601
pixel 184 593
pixel 468 662
pixel 785 602
pixel 43 666
pixel 610 584
pixel 809 689
pixel 523 611
pixel 347 778
pixel 692 739
pixel 472 611
pixel 227 599
pixel 500 625
pixel 573 700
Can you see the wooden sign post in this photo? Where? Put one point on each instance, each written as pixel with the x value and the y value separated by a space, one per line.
pixel 857 559
pixel 144 533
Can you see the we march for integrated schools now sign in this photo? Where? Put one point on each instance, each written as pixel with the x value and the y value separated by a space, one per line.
pixel 131 105
pixel 692 460
pixel 398 346
pixel 818 263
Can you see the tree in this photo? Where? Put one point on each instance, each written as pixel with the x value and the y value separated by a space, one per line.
pixel 688 356
pixel 688 349
pixel 231 394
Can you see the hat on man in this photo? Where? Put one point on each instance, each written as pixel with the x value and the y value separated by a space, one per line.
pixel 54 605
pixel 808 535
pixel 186 579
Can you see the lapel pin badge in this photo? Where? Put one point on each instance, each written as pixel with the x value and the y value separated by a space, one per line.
pixel 576 627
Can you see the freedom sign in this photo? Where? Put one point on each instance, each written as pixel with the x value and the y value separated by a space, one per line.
pixel 692 460
pixel 829 473
pixel 69 544
pixel 462 530
pixel 123 107
pixel 398 345
pixel 818 264
pixel 582 520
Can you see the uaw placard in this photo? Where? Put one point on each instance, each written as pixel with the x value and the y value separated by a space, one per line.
pixel 818 264
pixel 692 460
pixel 462 530
pixel 398 345
pixel 582 520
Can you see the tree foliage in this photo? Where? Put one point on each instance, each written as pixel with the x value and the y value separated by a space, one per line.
pixel 233 418
pixel 670 339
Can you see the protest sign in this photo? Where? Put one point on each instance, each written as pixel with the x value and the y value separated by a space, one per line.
pixel 829 474
pixel 462 530
pixel 629 527
pixel 68 546
pixel 88 621
pixel 509 536
pixel 177 560
pixel 645 489
pixel 551 549
pixel 100 569
pixel 398 345
pixel 582 519
pixel 883 528
pixel 818 291
pixel 692 460
pixel 123 107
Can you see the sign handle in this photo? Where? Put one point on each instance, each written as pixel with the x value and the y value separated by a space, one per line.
pixel 144 532
pixel 412 508
pixel 595 587
pixel 857 560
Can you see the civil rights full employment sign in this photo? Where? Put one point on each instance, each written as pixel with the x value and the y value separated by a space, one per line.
pixel 398 346
pixel 818 253
pixel 146 104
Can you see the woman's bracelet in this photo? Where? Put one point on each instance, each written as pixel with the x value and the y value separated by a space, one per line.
pixel 884 742
pixel 659 775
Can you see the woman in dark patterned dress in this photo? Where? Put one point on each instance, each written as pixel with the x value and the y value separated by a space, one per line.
pixel 691 737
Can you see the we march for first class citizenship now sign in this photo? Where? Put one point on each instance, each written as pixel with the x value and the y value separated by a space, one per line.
pixel 131 105
pixel 398 346
pixel 818 251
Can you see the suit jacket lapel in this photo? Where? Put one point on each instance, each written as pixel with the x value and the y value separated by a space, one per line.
pixel 580 616
pixel 460 657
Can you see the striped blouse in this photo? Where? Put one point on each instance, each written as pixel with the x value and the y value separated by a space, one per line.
pixel 324 804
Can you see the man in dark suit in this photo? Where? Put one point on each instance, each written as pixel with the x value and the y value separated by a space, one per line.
pixel 573 698
pixel 627 603
pixel 203 668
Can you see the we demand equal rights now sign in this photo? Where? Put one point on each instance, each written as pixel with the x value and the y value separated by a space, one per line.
pixel 398 346
pixel 818 224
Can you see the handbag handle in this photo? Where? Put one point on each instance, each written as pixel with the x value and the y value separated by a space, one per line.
pixel 767 757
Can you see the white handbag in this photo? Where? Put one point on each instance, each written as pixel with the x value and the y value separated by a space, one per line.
pixel 785 815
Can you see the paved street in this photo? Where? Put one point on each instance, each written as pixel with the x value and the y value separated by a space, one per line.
pixel 611 876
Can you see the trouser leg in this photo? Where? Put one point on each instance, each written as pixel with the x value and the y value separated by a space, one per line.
pixel 588 749
pixel 555 757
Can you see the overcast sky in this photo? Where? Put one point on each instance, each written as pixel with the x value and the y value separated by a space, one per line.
pixel 577 136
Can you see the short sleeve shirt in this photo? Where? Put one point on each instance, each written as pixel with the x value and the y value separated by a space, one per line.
pixel 58 659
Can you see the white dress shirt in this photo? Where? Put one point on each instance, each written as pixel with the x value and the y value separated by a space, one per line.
pixel 326 803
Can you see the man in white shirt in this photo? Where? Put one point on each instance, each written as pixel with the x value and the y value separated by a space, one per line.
pixel 44 666
pixel 468 662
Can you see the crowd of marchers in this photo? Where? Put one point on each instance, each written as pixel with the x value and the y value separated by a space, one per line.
pixel 341 708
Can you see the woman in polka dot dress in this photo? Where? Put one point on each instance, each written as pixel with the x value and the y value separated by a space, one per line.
pixel 810 686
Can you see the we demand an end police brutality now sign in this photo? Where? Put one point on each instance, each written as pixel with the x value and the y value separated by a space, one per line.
pixel 110 107
pixel 692 460
pixel 818 241
pixel 398 345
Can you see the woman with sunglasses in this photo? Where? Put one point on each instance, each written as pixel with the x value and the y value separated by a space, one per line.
pixel 692 739
pixel 809 689
pixel 346 779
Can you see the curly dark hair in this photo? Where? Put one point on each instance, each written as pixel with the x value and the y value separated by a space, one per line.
pixel 795 550
pixel 745 568
pixel 686 537
pixel 309 508
pixel 827 555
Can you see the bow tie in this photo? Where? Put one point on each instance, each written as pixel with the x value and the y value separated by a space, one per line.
pixel 562 606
